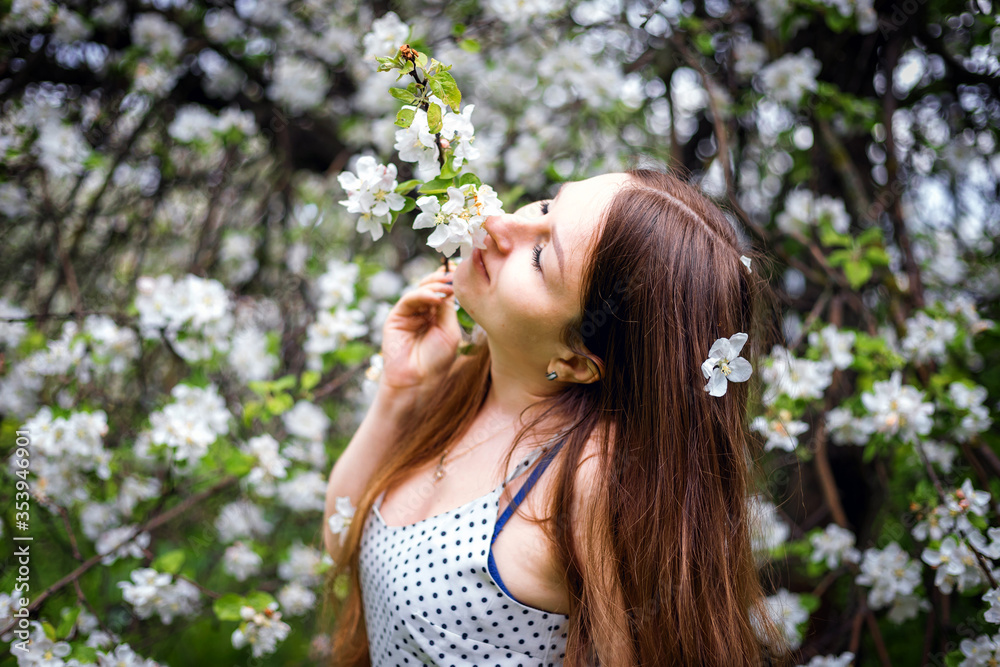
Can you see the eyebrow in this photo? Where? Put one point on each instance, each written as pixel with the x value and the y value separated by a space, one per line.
pixel 555 239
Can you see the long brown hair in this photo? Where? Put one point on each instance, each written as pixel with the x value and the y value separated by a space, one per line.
pixel 664 574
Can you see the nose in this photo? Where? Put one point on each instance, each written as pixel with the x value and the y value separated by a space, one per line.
pixel 508 229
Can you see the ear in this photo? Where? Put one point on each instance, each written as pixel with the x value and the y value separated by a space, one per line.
pixel 577 368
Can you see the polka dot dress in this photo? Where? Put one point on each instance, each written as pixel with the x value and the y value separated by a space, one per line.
pixel 430 599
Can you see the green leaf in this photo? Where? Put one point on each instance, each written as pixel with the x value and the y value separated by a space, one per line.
pixel 877 256
pixel 227 608
pixel 872 235
pixel 279 404
pixel 353 353
pixel 50 632
pixel 840 257
pixel 308 380
pixel 68 621
pixel 858 272
pixel 434 118
pixel 259 600
pixel 170 562
pixel 869 452
pixel 283 383
pixel 236 462
pixel 402 94
pixel 829 237
pixel 448 171
pixel 436 187
pixel 421 59
pixel 466 179
pixel 451 95
pixel 404 118
pixel 470 45
pixel 408 186
pixel 435 85
pixel 703 41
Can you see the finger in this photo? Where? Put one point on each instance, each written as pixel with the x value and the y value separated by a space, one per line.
pixel 422 299
pixel 438 276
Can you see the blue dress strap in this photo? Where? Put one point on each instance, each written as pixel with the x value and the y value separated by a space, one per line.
pixel 509 510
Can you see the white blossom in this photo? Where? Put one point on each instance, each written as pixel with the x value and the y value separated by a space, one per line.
pixel 388 33
pixel 954 564
pixel 242 562
pixel 296 599
pixel 973 399
pixel 458 223
pixel 241 519
pixel 890 572
pixel 337 284
pixel 340 520
pixel 306 492
pixel 724 365
pixel 115 544
pixel 306 420
pixel 834 345
pixel 298 84
pixel 846 429
pixel 302 565
pixel 123 656
pixel 833 546
pixel 927 338
pixel 898 409
pixel 790 76
pixel 157 35
pixel 781 432
pixel 793 377
pixel 372 194
pixel 842 660
pixel 767 530
pixel 262 630
pixel 786 610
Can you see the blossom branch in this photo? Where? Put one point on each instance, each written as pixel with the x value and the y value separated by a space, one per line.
pixel 150 525
pixel 980 559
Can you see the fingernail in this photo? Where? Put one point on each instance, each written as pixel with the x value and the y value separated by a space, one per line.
pixel 449 282
pixel 440 294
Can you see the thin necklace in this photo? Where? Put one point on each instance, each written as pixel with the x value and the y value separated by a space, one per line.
pixel 439 470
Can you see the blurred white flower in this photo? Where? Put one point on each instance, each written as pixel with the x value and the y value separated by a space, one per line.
pixel 388 33
pixel 298 84
pixel 242 562
pixel 790 76
pixel 890 573
pixel 262 630
pixel 340 520
pixel 296 599
pixel 927 338
pixel 834 345
pixel 898 409
pixel 833 546
pixel 781 432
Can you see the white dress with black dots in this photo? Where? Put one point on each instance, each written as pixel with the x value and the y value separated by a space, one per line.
pixel 432 594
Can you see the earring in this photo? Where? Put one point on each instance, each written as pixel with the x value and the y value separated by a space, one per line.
pixel 551 376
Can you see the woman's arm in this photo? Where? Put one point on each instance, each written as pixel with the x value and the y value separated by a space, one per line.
pixel 419 341
pixel 376 436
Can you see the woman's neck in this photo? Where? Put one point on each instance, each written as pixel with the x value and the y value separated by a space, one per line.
pixel 515 387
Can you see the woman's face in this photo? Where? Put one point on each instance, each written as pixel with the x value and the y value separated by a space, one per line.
pixel 534 259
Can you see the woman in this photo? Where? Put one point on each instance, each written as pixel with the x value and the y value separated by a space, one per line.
pixel 598 309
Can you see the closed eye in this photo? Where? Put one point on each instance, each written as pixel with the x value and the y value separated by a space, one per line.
pixel 537 251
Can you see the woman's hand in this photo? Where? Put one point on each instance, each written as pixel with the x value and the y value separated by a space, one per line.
pixel 421 335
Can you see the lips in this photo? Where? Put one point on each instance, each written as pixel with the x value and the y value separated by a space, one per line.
pixel 477 258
